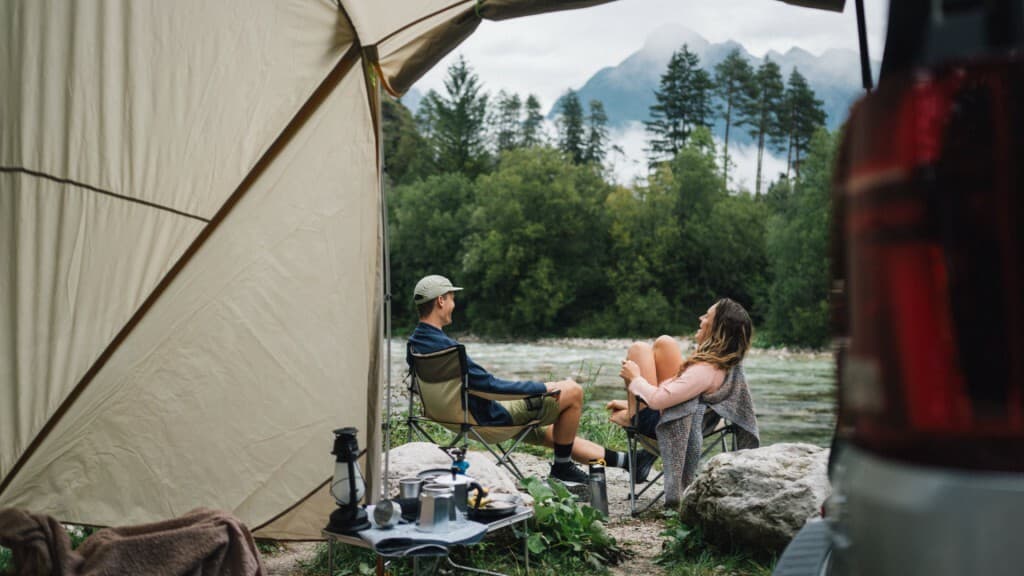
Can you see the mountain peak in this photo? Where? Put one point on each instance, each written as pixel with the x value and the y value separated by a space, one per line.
pixel 668 38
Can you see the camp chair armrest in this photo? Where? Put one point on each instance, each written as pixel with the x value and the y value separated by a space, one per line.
pixel 512 396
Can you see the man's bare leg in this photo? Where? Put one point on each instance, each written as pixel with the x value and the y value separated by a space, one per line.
pixel 570 406
pixel 583 450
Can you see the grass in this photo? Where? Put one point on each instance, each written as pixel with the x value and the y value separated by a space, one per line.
pixel 686 553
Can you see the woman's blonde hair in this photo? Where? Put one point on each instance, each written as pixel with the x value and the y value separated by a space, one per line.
pixel 728 338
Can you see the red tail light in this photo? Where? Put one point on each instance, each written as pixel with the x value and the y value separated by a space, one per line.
pixel 928 216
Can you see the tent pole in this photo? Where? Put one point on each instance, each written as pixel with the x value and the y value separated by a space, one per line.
pixel 387 289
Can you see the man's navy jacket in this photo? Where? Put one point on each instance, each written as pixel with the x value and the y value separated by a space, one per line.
pixel 426 339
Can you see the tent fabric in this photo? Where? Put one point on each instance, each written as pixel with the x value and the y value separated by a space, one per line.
pixel 191 275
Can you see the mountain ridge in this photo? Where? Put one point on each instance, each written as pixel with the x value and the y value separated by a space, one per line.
pixel 627 89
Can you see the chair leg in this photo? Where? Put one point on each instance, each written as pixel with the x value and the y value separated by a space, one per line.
pixel 504 458
pixel 631 448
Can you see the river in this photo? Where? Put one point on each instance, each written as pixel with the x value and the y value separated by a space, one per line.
pixel 794 393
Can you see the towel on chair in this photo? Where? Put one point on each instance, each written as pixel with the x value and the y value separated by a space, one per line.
pixel 201 542
pixel 680 430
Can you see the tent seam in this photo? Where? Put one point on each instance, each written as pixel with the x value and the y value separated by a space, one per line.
pixel 59 180
pixel 421 19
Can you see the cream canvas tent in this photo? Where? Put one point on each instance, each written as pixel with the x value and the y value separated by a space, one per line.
pixel 191 247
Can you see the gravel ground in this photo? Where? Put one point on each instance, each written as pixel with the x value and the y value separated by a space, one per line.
pixel 639 535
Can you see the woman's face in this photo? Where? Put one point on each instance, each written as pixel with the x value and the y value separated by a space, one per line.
pixel 705 324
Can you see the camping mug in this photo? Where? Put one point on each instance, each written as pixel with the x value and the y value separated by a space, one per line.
pixel 409 487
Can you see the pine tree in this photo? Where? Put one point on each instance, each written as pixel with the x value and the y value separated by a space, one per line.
pixel 597 133
pixel 732 86
pixel 507 121
pixel 803 115
pixel 405 151
pixel 683 103
pixel 762 110
pixel 531 133
pixel 570 127
pixel 455 124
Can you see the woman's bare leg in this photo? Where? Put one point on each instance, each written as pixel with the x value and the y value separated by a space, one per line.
pixel 643 354
pixel 668 358
pixel 657 363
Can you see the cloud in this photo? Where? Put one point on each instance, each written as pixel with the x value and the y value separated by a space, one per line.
pixel 631 164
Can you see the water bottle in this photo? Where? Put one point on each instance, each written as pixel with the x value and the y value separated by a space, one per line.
pixel 598 486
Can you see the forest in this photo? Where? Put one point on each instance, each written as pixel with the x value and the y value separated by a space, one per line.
pixel 532 223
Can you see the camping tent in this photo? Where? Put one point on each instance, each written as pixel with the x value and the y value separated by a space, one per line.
pixel 191 273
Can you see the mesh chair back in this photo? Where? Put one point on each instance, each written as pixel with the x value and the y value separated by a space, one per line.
pixel 440 382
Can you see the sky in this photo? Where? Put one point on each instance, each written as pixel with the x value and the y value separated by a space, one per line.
pixel 550 53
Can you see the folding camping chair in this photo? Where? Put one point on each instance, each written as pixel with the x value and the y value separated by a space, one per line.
pixel 719 436
pixel 440 381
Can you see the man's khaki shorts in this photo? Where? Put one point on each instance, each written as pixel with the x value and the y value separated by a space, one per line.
pixel 523 411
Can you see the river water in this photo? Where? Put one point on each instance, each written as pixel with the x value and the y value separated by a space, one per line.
pixel 794 393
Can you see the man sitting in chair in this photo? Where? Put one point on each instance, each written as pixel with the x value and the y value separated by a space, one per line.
pixel 560 416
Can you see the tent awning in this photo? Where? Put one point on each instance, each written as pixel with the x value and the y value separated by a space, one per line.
pixel 192 278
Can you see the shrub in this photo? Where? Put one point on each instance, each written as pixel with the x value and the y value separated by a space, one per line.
pixel 567 533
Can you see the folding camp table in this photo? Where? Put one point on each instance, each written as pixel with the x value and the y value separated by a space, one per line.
pixel 428 549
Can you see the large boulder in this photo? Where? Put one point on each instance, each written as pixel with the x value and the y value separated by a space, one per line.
pixel 415 457
pixel 757 500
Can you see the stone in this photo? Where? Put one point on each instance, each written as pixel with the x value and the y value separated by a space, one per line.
pixel 412 458
pixel 757 500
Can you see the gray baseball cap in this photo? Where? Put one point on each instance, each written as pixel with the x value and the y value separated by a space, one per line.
pixel 430 287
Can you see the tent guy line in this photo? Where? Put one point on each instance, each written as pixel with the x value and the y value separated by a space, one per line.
pixel 59 180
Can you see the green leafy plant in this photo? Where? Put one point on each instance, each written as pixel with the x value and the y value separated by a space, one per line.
pixel 682 542
pixel 567 531
pixel 5 560
pixel 685 552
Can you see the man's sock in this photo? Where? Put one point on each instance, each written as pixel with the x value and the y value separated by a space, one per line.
pixel 616 459
pixel 563 453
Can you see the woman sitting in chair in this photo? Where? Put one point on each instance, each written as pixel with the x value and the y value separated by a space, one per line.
pixel 677 391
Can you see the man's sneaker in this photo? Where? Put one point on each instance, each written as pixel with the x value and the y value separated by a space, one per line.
pixel 644 462
pixel 568 472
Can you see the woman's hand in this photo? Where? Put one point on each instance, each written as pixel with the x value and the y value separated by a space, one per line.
pixel 630 371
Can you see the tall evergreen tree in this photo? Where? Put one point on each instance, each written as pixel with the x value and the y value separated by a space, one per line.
pixel 683 103
pixel 532 133
pixel 455 123
pixel 507 121
pixel 597 133
pixel 405 151
pixel 762 110
pixel 571 131
pixel 732 86
pixel 798 250
pixel 804 113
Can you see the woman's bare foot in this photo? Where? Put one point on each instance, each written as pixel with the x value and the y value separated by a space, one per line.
pixel 615 405
pixel 620 417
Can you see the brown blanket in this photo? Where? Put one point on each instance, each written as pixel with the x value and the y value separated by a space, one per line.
pixel 201 542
